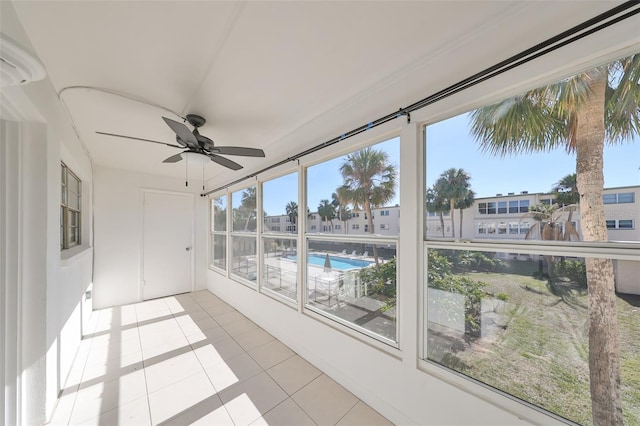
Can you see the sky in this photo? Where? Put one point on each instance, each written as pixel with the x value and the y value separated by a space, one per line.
pixel 449 144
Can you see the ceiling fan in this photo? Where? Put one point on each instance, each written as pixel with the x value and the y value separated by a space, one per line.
pixel 196 143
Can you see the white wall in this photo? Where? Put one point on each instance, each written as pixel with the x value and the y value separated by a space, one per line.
pixel 43 296
pixel 118 233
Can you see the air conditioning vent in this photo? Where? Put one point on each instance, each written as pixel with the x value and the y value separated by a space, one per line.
pixel 17 67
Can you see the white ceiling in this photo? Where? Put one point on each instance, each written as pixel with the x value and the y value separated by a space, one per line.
pixel 263 73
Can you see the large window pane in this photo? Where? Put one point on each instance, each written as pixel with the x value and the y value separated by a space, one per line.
pixel 243 260
pixel 219 251
pixel 280 269
pixel 345 282
pixel 219 213
pixel 244 210
pixel 517 323
pixel 346 195
pixel 517 158
pixel 280 204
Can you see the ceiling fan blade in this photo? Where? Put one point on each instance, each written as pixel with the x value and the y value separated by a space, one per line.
pixel 173 158
pixel 183 132
pixel 138 139
pixel 225 162
pixel 238 150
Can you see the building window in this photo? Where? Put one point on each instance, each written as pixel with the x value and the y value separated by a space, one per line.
pixel 513 206
pixel 620 224
pixel 385 226
pixel 618 198
pixel 384 212
pixel 355 226
pixel 70 208
pixel 502 207
pixel 336 227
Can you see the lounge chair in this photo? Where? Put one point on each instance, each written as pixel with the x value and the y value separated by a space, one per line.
pixel 354 253
pixel 365 254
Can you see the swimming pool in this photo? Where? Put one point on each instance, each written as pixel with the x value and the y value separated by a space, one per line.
pixel 337 262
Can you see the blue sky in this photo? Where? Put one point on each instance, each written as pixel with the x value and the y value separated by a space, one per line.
pixel 450 145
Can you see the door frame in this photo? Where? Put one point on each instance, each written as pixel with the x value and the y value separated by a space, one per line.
pixel 143 193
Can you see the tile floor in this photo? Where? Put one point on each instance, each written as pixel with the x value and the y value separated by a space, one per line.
pixel 193 359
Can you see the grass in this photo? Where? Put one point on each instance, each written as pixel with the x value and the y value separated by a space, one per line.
pixel 537 347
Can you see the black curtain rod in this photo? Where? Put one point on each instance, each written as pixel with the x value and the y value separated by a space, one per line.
pixel 571 35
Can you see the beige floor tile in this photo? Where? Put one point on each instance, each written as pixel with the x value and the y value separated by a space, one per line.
pixel 93 400
pixel 363 415
pixel 220 309
pixel 240 327
pixel 63 409
pixel 164 373
pixel 228 317
pixel 293 374
pixel 179 397
pixel 195 314
pixel 270 354
pixel 190 326
pixel 212 354
pixel 288 413
pixel 210 412
pixel 210 302
pixel 166 350
pixel 210 336
pixel 105 373
pixel 253 338
pixel 325 401
pixel 134 413
pixel 248 400
pixel 232 371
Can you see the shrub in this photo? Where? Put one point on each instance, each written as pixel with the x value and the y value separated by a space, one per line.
pixel 575 270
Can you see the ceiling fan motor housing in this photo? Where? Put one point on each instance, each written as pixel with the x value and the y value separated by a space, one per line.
pixel 195 120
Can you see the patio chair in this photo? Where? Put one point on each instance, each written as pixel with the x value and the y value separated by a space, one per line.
pixel 354 253
pixel 365 254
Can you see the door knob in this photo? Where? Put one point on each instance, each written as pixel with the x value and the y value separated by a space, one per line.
pixel 188 248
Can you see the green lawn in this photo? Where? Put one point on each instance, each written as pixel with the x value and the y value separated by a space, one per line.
pixel 538 348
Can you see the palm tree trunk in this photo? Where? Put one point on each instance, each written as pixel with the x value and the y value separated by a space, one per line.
pixel 460 229
pixel 604 361
pixel 442 223
pixel 367 207
pixel 452 210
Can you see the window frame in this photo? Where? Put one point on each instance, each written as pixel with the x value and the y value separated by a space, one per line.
pixel 67 211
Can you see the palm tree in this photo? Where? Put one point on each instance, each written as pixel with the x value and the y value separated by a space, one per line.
pixel 566 194
pixel 464 203
pixel 548 222
pixel 369 182
pixel 453 185
pixel 343 211
pixel 249 205
pixel 292 212
pixel 579 114
pixel 435 203
pixel 326 211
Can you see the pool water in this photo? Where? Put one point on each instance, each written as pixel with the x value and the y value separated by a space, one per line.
pixel 337 262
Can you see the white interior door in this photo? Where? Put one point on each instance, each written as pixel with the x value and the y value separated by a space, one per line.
pixel 167 244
